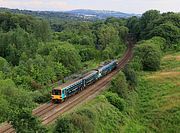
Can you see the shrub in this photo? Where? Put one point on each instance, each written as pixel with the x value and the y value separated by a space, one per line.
pixel 4 65
pixel 24 122
pixel 88 53
pixel 64 125
pixel 150 56
pixel 119 85
pixel 107 53
pixel 152 61
pixel 115 100
pixel 82 122
pixel 87 113
pixel 68 56
pixel 136 63
pixel 131 76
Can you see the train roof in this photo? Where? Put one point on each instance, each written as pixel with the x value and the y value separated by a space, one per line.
pixel 101 68
pixel 75 80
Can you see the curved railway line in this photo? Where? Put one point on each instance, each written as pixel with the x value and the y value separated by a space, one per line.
pixel 49 112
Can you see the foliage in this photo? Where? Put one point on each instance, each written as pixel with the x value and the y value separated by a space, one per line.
pixel 149 53
pixel 152 23
pixel 64 125
pixel 131 75
pixel 147 18
pixel 15 99
pixel 168 31
pixel 68 55
pixel 150 57
pixel 97 116
pixel 119 85
pixel 24 122
pixel 4 66
pixel 133 24
pixel 88 54
pixel 115 100
pixel 106 36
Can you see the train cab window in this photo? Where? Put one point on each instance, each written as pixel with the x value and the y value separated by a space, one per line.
pixel 56 92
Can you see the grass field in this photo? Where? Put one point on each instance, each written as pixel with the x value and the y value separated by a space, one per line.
pixel 159 97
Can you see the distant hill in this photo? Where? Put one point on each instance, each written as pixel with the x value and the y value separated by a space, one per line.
pixel 80 14
pixel 100 14
pixel 44 14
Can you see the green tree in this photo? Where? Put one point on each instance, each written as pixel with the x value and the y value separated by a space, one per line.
pixel 107 36
pixel 115 100
pixel 147 19
pixel 68 56
pixel 4 109
pixel 4 65
pixel 64 125
pixel 42 30
pixel 131 76
pixel 168 31
pixel 60 70
pixel 24 122
pixel 150 56
pixel 15 99
pixel 88 53
pixel 87 41
pixel 123 32
pixel 119 85
pixel 133 24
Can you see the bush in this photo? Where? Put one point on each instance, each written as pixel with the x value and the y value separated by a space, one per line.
pixel 80 121
pixel 107 53
pixel 64 125
pixel 119 85
pixel 68 56
pixel 4 109
pixel 115 100
pixel 40 97
pixel 136 63
pixel 149 55
pixel 152 61
pixel 24 122
pixel 4 65
pixel 88 53
pixel 131 76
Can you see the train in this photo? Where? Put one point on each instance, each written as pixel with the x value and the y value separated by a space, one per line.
pixel 62 92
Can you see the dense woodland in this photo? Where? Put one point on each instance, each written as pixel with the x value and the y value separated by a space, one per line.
pixel 35 53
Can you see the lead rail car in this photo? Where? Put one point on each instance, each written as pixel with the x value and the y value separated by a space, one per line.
pixel 64 91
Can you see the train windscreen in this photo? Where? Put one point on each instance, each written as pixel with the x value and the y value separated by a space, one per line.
pixel 56 92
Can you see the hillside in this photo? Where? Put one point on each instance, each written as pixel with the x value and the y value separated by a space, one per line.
pixel 100 14
pixel 81 14
pixel 50 15
pixel 159 96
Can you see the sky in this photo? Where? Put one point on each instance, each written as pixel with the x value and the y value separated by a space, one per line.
pixel 128 6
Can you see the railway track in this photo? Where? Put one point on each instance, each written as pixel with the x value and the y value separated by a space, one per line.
pixel 49 112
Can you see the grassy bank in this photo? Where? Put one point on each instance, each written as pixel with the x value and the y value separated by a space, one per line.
pixel 159 96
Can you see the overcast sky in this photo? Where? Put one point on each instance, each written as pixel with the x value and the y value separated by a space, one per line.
pixel 129 6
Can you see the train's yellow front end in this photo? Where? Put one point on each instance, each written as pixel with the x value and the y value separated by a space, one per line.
pixel 56 96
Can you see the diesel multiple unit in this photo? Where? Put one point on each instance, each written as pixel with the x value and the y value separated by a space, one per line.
pixel 64 91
